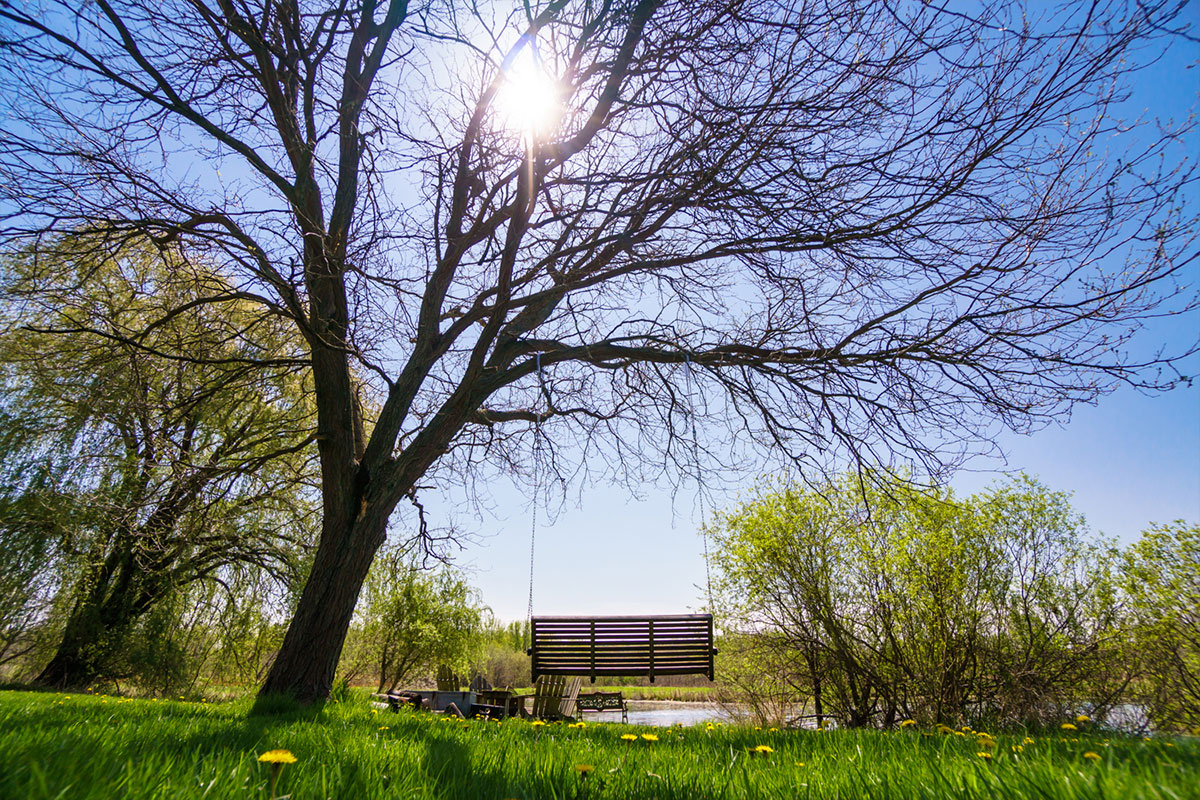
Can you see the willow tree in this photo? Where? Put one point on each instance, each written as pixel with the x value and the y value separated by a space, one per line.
pixel 130 478
pixel 826 231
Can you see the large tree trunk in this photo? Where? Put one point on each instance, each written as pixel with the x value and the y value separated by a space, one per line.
pixel 77 661
pixel 307 661
pixel 98 625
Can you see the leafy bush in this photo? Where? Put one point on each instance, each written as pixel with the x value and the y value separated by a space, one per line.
pixel 409 620
pixel 877 601
pixel 1162 581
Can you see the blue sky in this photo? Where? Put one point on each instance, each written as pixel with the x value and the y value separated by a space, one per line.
pixel 1129 460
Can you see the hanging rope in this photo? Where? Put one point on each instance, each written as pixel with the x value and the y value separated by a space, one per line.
pixel 537 430
pixel 687 373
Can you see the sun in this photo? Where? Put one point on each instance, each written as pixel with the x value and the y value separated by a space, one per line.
pixel 529 99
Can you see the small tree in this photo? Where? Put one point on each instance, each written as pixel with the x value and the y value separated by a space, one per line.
pixel 875 602
pixel 410 620
pixel 1056 640
pixel 1162 582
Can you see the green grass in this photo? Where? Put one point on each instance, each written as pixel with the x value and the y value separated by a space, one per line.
pixel 73 746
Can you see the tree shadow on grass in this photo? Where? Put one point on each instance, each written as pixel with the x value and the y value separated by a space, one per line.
pixel 451 771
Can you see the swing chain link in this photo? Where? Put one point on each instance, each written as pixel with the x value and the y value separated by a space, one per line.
pixel 537 430
pixel 687 375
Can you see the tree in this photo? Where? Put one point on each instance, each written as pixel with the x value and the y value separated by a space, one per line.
pixel 863 233
pixel 1061 642
pixel 411 620
pixel 872 601
pixel 1162 582
pixel 878 603
pixel 135 476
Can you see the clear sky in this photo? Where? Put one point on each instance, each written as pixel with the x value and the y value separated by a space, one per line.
pixel 1129 460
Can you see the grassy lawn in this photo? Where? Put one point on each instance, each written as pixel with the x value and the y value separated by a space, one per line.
pixel 73 746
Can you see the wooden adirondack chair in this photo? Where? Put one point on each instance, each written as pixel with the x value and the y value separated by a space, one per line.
pixel 554 697
pixel 447 681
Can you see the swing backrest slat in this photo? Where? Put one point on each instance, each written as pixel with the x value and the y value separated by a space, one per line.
pixel 647 646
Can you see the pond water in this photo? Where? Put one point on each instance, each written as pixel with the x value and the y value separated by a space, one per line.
pixel 664 713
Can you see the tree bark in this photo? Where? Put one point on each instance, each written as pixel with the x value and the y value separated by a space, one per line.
pixel 74 665
pixel 98 625
pixel 307 661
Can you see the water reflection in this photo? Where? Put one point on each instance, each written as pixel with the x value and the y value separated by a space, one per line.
pixel 664 713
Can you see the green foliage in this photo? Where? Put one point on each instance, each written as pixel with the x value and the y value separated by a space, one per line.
pixel 88 748
pixel 1161 578
pixel 501 656
pixel 874 601
pixel 410 620
pixel 150 440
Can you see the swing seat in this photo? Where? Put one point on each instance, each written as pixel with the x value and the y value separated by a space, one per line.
pixel 623 646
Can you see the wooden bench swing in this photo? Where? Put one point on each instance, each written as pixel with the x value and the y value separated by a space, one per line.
pixel 637 646
pixel 643 646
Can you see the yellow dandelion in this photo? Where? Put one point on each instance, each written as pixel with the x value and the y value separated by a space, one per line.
pixel 629 737
pixel 1018 748
pixel 1067 726
pixel 1091 756
pixel 537 723
pixel 764 750
pixel 799 763
pixel 772 730
pixel 277 757
pixel 583 769
pixel 1082 718
pixel 649 737
pixel 908 723
pixel 985 756
pixel 383 727
pixel 1027 740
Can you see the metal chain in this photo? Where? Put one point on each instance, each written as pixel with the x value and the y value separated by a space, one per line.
pixel 687 371
pixel 537 430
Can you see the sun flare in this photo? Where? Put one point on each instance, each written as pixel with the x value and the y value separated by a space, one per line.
pixel 529 100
